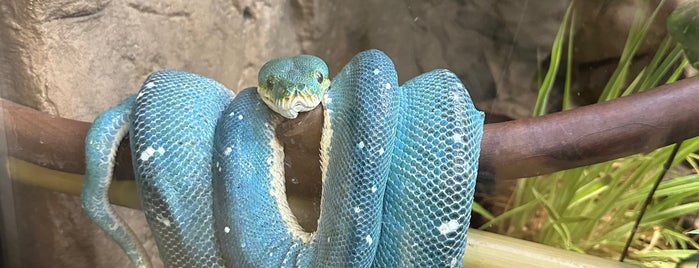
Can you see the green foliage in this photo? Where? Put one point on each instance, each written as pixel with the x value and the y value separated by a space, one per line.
pixel 683 25
pixel 556 52
pixel 592 209
pixel 637 33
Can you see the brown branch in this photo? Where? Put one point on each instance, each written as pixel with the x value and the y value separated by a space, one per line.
pixel 514 149
pixel 592 134
pixel 52 142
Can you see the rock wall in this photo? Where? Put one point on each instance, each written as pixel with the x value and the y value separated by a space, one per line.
pixel 76 58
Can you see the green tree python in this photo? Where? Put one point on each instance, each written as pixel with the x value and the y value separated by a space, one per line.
pixel 398 163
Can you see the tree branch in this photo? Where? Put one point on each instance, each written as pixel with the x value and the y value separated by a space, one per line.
pixel 591 134
pixel 514 149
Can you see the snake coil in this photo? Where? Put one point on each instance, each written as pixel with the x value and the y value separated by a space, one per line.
pixel 399 168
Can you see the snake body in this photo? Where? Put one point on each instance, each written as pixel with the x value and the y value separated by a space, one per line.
pixel 398 163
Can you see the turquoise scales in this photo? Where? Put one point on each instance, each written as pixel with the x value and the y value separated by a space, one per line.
pixel 399 167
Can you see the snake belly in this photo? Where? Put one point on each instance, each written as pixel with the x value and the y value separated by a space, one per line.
pixel 399 167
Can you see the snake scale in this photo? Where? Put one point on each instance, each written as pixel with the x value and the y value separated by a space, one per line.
pixel 398 163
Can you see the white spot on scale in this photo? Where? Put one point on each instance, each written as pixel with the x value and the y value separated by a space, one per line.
pixel 459 86
pixel 240 117
pixel 150 152
pixel 457 137
pixel 114 226
pixel 368 239
pixel 226 229
pixel 387 86
pixel 139 95
pixel 373 189
pixel 448 227
pixel 164 221
pixel 380 151
pixel 270 254
pixel 454 261
pixel 147 153
pixel 376 71
pixel 150 85
pixel 228 151
pixel 357 210
pixel 231 114
pixel 360 145
pixel 457 96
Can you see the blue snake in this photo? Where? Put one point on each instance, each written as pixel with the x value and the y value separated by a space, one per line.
pixel 398 163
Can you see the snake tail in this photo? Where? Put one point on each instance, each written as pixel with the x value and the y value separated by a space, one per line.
pixel 171 127
pixel 101 146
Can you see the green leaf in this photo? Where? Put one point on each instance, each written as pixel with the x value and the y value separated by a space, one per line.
pixel 481 210
pixel 556 51
pixel 683 25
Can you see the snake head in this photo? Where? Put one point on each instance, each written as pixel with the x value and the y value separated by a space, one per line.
pixel 293 84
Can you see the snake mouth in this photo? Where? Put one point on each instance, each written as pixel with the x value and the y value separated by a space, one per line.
pixel 292 105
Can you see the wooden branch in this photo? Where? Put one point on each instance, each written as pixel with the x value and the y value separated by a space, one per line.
pixel 514 149
pixel 52 142
pixel 592 134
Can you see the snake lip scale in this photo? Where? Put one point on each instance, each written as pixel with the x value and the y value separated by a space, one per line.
pixel 398 167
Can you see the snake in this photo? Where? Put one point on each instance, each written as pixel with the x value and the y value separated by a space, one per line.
pixel 399 167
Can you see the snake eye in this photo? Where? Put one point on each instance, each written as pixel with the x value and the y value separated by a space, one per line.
pixel 270 82
pixel 319 77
